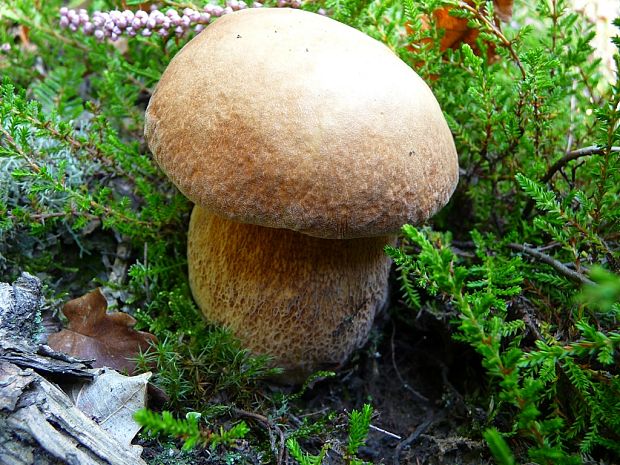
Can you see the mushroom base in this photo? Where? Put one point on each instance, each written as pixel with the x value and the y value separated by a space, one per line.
pixel 306 301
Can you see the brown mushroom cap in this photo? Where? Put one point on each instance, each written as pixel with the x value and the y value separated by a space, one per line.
pixel 287 119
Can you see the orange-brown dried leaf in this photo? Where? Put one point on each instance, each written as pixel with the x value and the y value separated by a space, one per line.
pixel 92 333
pixel 24 35
pixel 503 9
pixel 457 31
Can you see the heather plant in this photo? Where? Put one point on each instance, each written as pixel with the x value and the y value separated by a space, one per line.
pixel 521 275
pixel 189 429
pixel 522 266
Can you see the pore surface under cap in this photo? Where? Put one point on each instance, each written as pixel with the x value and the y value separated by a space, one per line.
pixel 287 119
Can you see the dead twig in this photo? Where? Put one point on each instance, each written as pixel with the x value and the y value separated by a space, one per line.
pixel 421 429
pixel 400 378
pixel 387 433
pixel 279 452
pixel 556 265
pixel 565 160
pixel 574 155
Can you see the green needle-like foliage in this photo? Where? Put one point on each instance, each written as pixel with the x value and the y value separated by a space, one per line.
pixel 189 430
pixel 522 266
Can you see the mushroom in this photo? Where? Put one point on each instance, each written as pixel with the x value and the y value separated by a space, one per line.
pixel 305 146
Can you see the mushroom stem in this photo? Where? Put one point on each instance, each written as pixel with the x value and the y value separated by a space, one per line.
pixel 307 301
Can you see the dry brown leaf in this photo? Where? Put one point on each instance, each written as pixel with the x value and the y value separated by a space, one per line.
pixel 92 333
pixel 503 9
pixel 457 31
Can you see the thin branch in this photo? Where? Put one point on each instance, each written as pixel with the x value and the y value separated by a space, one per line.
pixel 556 265
pixel 421 429
pixel 33 166
pixel 497 32
pixel 562 162
pixel 574 155
pixel 387 433
pixel 415 393
pixel 270 425
pixel 37 170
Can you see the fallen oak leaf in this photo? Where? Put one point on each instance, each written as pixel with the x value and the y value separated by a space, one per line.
pixel 107 338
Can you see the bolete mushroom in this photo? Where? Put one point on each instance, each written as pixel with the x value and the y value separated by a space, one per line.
pixel 305 145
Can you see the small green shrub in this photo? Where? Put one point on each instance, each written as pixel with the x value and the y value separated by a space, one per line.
pixel 524 261
pixel 189 430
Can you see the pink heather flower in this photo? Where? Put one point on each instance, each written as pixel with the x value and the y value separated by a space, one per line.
pixel 88 28
pixel 5 47
pixel 115 23
pixel 115 16
pixel 158 17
